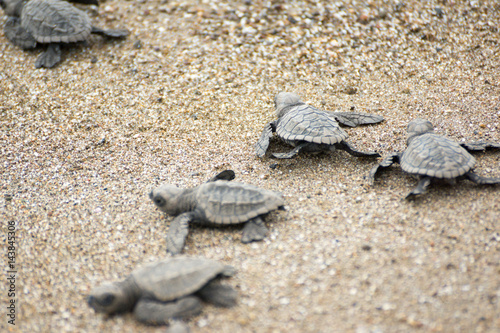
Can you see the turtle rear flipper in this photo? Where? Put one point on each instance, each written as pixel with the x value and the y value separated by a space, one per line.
pixel 218 294
pixel 422 186
pixel 354 119
pixel 115 33
pixel 153 312
pixel 480 146
pixel 292 152
pixel 228 271
pixel 50 57
pixel 254 230
pixel 386 162
pixel 17 35
pixel 344 145
pixel 481 180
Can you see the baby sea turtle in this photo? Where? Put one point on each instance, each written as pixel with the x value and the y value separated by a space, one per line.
pixel 432 157
pixel 218 202
pixel 51 22
pixel 311 130
pixel 169 289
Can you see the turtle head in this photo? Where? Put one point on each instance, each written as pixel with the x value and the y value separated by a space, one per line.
pixel 12 7
pixel 110 298
pixel 283 100
pixel 418 127
pixel 166 198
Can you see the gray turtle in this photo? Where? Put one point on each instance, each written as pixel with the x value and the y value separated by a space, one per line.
pixel 311 130
pixel 216 202
pixel 51 22
pixel 170 289
pixel 433 157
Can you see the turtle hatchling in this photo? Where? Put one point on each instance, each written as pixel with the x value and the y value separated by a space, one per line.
pixel 311 130
pixel 216 202
pixel 52 22
pixel 434 157
pixel 167 290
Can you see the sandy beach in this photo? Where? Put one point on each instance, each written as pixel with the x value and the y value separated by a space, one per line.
pixel 187 95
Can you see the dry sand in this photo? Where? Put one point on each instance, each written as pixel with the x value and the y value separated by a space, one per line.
pixel 187 95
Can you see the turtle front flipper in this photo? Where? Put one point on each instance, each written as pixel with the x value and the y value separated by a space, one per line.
pixel 218 294
pixel 386 162
pixel 422 186
pixel 263 143
pixel 254 230
pixel 344 145
pixel 17 35
pixel 177 233
pixel 480 146
pixel 50 57
pixel 354 119
pixel 473 177
pixel 224 175
pixel 115 33
pixel 153 312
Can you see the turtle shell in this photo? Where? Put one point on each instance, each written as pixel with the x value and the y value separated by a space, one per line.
pixel 306 123
pixel 436 156
pixel 227 202
pixel 172 278
pixel 55 21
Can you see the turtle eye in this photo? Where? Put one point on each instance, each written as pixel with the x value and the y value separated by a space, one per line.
pixel 107 300
pixel 159 201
